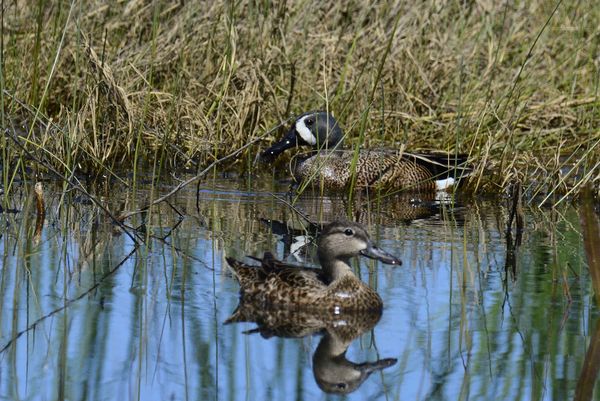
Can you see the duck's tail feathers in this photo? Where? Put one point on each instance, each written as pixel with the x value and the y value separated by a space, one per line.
pixel 236 317
pixel 245 274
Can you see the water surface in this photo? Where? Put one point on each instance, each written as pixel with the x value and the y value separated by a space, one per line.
pixel 85 314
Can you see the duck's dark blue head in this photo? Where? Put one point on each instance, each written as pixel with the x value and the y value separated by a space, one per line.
pixel 317 129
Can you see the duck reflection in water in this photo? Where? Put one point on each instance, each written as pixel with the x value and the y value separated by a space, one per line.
pixel 333 372
pixel 299 235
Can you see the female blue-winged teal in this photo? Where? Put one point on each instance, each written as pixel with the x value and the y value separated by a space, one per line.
pixel 382 169
pixel 334 287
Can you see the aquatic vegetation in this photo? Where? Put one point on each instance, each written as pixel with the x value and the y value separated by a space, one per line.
pixel 471 313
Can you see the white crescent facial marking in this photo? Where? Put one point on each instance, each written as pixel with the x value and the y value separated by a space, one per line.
pixel 446 183
pixel 304 132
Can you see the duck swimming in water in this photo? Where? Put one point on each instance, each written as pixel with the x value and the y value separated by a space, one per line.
pixel 332 168
pixel 333 287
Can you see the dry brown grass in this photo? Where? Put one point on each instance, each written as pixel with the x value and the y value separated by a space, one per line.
pixel 513 84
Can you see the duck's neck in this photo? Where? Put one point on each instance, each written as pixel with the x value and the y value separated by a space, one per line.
pixel 335 269
pixel 330 346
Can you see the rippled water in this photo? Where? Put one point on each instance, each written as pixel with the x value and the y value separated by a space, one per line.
pixel 85 314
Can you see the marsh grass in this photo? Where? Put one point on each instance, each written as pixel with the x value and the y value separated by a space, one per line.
pixel 93 88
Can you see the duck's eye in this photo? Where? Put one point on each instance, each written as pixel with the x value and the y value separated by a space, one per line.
pixel 309 122
pixel 349 232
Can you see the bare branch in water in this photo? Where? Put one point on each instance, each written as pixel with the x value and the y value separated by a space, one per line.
pixel 69 302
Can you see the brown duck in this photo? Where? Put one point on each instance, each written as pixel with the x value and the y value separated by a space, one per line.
pixel 333 287
pixel 332 168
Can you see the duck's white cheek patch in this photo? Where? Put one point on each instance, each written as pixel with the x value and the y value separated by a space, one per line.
pixel 305 133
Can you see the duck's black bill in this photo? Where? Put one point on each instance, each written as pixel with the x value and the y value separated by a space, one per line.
pixel 288 141
pixel 376 253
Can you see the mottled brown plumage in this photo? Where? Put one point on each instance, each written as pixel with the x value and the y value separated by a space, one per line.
pixel 332 168
pixel 333 287
pixel 374 169
pixel 333 372
pixel 284 322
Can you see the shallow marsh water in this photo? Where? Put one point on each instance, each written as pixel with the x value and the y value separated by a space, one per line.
pixel 85 315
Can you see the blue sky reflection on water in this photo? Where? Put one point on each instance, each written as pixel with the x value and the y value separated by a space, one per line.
pixel 460 323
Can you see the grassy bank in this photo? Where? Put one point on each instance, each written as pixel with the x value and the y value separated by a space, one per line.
pixel 91 86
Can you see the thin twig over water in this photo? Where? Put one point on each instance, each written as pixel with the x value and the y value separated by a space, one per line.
pixel 71 301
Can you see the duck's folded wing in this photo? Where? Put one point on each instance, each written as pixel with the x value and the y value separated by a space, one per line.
pixel 301 278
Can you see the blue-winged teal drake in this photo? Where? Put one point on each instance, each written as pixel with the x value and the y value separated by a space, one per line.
pixel 331 167
pixel 333 287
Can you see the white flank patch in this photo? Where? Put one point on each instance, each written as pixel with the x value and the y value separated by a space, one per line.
pixel 300 242
pixel 304 132
pixel 446 183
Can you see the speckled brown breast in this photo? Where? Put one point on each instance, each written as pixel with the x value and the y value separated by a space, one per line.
pixel 374 169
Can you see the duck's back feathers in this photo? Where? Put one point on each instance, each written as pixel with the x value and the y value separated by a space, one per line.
pixel 245 274
pixel 274 282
